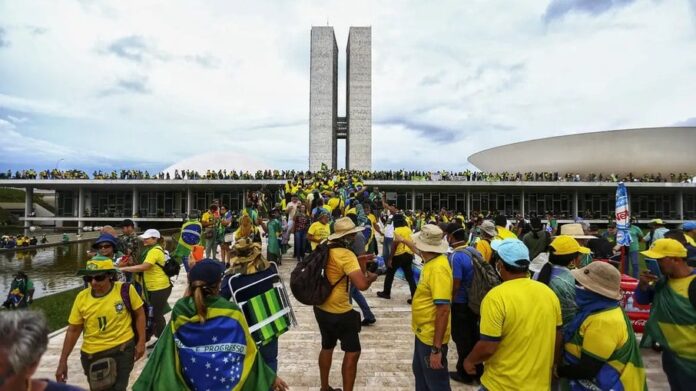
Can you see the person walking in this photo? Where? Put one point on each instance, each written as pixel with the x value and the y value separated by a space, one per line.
pixel 536 240
pixel 430 320
pixel 336 318
pixel 601 352
pixel 299 230
pixel 520 326
pixel 358 247
pixel 673 311
pixel 465 330
pixel 109 345
pixel 402 258
pixel 155 283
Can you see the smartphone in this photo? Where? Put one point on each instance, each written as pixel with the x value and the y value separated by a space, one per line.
pixel 653 267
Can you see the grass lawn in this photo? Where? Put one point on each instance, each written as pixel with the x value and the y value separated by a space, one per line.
pixel 56 307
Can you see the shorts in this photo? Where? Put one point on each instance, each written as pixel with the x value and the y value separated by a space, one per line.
pixel 334 327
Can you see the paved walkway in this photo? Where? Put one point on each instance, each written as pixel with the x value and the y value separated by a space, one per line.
pixel 386 357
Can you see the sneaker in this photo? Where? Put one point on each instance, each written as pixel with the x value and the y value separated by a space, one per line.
pixel 383 295
pixel 368 322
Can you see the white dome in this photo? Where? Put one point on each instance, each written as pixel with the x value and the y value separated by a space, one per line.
pixel 218 161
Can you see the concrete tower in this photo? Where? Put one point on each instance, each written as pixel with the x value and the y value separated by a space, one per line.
pixel 325 127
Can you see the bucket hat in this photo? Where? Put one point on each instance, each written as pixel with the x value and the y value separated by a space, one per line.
pixel 600 278
pixel 105 238
pixel 575 230
pixel 344 226
pixel 489 227
pixel 429 239
pixel 246 258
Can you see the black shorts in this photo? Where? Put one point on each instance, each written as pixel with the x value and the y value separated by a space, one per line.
pixel 334 327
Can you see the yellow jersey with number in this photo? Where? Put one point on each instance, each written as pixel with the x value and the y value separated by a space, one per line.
pixel 106 322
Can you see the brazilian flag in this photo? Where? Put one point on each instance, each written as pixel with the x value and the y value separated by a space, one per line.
pixel 218 354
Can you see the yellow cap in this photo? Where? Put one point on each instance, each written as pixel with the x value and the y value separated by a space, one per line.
pixel 564 244
pixel 96 265
pixel 665 248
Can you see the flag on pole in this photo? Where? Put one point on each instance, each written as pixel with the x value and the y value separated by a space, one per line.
pixel 623 216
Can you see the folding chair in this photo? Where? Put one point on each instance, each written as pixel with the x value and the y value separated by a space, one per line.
pixel 265 303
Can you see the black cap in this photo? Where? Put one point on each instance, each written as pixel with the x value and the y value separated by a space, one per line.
pixel 207 270
pixel 127 223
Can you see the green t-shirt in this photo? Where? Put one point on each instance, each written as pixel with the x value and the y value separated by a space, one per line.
pixel 23 285
pixel 636 235
pixel 274 229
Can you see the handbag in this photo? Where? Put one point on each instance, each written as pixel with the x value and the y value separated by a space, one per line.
pixel 102 374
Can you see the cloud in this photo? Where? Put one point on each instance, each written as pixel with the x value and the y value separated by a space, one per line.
pixel 17 120
pixel 38 106
pixel 132 47
pixel 136 84
pixel 3 40
pixel 557 9
pixel 35 30
pixel 206 61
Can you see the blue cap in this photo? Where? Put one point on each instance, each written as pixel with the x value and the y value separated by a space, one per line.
pixel 689 225
pixel 512 251
pixel 207 270
pixel 105 238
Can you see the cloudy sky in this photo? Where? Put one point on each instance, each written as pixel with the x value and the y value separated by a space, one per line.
pixel 143 84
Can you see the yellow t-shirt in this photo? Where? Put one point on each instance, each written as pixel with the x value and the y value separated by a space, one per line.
pixel 341 262
pixel 523 315
pixel 207 217
pixel 504 233
pixel 603 333
pixel 401 248
pixel 434 287
pixel 155 278
pixel 320 230
pixel 106 322
pixel 485 249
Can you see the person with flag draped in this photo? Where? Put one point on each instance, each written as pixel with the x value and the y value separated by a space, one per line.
pixel 207 344
pixel 189 236
pixel 672 321
pixel 601 352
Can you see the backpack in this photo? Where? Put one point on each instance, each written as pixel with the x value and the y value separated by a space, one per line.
pixel 483 280
pixel 171 266
pixel 149 324
pixel 308 281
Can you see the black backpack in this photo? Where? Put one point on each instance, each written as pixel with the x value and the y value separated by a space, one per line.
pixel 171 266
pixel 308 281
pixel 149 319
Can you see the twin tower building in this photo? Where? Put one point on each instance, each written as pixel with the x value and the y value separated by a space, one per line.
pixel 325 126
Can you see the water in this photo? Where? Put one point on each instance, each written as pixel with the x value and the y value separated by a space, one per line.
pixel 52 269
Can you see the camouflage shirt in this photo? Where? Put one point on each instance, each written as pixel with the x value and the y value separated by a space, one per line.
pixel 128 244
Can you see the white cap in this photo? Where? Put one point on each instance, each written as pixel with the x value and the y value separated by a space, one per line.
pixel 150 233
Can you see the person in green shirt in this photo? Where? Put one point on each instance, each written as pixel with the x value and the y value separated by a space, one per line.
pixel 273 229
pixel 21 292
pixel 636 236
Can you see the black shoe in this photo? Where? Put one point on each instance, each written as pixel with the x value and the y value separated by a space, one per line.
pixel 368 322
pixel 383 295
pixel 461 379
pixel 409 301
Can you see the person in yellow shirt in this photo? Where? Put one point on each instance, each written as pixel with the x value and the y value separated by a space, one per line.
pixel 520 326
pixel 501 226
pixel 689 228
pixel 155 283
pixel 106 324
pixel 336 318
pixel 430 319
pixel 319 230
pixel 401 256
pixel 483 243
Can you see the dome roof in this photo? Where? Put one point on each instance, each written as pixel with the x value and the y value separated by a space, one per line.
pixel 218 161
pixel 663 150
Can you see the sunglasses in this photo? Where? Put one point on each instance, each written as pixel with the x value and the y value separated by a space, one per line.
pixel 98 278
pixel 101 246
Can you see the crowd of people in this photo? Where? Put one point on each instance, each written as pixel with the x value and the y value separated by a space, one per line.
pixel 388 175
pixel 20 241
pixel 501 291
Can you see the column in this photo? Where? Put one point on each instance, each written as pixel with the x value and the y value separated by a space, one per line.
pixel 522 204
pixel 189 200
pixel 413 199
pixel 680 205
pixel 136 204
pixel 576 212
pixel 468 203
pixel 28 208
pixel 80 209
